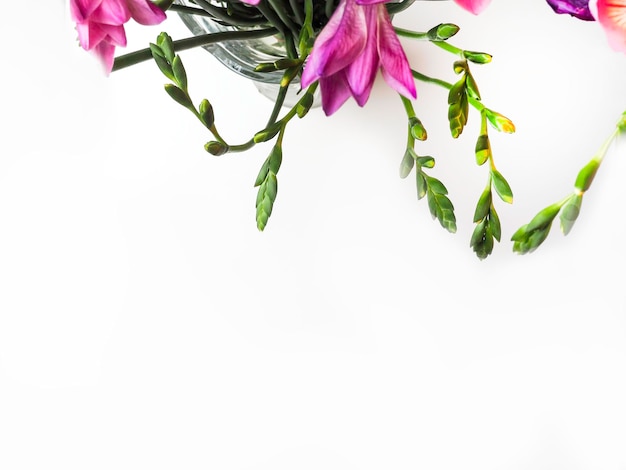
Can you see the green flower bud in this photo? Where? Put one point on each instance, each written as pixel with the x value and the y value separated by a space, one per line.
pixel 417 129
pixel 586 175
pixel 216 148
pixel 267 133
pixel 482 149
pixel 499 122
pixel 477 57
pixel 206 113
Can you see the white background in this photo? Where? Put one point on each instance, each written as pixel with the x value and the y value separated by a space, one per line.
pixel 145 323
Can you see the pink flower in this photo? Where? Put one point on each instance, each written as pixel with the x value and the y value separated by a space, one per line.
pixel 612 16
pixel 474 6
pixel 100 23
pixel 358 40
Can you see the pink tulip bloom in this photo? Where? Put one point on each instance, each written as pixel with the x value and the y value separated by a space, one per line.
pixel 474 6
pixel 612 16
pixel 100 23
pixel 358 40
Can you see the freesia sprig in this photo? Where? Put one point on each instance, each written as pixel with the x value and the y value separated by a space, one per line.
pixel 461 95
pixel 530 236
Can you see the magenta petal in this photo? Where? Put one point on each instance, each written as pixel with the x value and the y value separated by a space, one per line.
pixel 361 73
pixel 82 9
pixel 116 35
pixel 340 41
pixel 145 12
pixel 335 92
pixel 612 17
pixel 111 12
pixel 370 2
pixel 394 64
pixel 474 6
pixel 106 53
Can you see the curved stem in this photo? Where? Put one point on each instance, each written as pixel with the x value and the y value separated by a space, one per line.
pixel 142 55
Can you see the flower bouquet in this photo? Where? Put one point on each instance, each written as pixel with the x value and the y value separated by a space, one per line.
pixel 314 53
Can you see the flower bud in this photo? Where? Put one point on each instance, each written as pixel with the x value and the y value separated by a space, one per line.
pixel 216 148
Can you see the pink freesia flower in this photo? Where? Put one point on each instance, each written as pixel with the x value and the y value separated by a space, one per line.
pixel 100 23
pixel 474 6
pixel 357 41
pixel 612 16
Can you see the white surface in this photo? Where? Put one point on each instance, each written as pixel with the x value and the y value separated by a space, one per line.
pixel 146 324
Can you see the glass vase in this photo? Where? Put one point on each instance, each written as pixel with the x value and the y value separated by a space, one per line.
pixel 242 56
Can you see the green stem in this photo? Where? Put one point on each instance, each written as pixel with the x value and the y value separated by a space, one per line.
pixel 189 10
pixel 411 34
pixel 228 17
pixel 395 8
pixel 280 99
pixel 142 55
pixel 408 106
pixel 448 47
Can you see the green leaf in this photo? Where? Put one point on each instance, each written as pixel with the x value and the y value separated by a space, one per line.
pixel 502 186
pixel 483 205
pixel 494 223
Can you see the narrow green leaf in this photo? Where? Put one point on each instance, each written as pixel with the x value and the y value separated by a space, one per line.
pixel 502 186
pixel 483 205
pixel 494 223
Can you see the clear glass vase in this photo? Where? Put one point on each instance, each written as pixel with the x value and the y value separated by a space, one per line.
pixel 242 56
